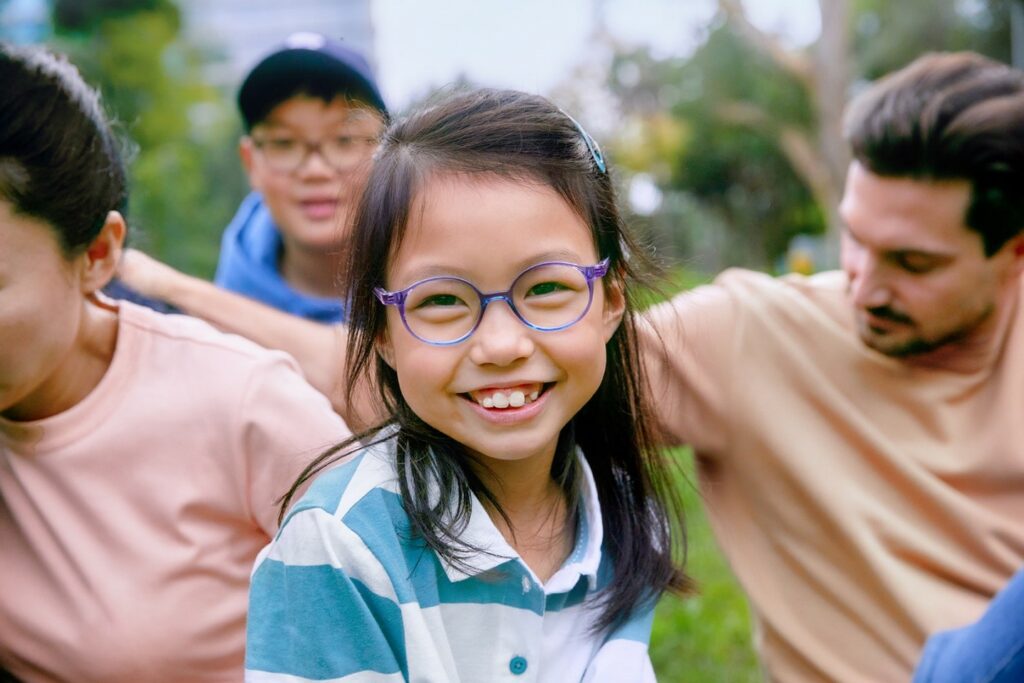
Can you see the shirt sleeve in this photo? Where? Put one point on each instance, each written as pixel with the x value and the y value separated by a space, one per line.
pixel 686 344
pixel 285 424
pixel 624 655
pixel 310 619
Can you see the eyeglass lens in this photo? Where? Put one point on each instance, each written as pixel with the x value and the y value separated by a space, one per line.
pixel 341 152
pixel 548 296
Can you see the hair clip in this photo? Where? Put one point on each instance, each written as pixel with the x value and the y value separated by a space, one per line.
pixel 595 150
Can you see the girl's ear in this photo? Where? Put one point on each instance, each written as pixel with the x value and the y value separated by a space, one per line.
pixel 614 308
pixel 99 262
pixel 384 350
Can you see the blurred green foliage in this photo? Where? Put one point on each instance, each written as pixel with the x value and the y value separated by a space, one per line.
pixel 181 133
pixel 709 128
pixel 889 34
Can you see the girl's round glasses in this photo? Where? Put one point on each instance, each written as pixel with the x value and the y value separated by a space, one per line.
pixel 446 310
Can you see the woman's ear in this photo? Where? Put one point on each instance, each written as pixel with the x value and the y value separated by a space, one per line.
pixel 99 262
pixel 614 308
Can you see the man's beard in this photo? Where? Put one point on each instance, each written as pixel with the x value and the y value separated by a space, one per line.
pixel 916 346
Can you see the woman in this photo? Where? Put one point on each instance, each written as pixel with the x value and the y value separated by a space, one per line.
pixel 141 454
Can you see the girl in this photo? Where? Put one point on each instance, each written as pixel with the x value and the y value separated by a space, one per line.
pixel 140 453
pixel 510 521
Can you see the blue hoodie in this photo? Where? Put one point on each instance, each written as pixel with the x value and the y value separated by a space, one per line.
pixel 249 254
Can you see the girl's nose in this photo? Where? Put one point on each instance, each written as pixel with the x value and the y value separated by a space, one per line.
pixel 501 338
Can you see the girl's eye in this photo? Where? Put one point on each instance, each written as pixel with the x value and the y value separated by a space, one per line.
pixel 542 288
pixel 440 300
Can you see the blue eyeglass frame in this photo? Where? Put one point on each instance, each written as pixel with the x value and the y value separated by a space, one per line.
pixel 398 298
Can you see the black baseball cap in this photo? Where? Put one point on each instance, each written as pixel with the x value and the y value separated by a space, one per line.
pixel 307 63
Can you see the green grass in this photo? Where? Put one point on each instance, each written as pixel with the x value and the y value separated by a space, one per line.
pixel 704 638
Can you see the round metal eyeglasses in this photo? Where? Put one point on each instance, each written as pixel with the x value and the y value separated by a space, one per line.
pixel 446 310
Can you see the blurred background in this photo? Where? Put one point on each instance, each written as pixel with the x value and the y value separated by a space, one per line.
pixel 721 118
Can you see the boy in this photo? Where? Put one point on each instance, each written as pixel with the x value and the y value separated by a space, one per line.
pixel 312 114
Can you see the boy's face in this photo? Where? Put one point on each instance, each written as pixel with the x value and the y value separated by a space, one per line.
pixel 309 159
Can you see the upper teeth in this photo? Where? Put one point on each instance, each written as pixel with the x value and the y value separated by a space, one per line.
pixel 514 399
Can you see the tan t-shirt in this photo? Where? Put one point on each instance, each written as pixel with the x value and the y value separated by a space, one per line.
pixel 862 503
pixel 129 523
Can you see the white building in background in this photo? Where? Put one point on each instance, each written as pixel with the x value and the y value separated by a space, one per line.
pixel 236 33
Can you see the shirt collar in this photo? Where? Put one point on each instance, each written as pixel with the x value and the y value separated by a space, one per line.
pixel 480 532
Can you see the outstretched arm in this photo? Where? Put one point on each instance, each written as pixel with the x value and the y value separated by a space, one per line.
pixel 318 348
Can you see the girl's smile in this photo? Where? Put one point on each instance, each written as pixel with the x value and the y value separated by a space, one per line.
pixel 511 405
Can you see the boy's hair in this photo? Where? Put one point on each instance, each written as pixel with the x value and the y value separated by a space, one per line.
pixel 59 160
pixel 522 138
pixel 307 64
pixel 947 117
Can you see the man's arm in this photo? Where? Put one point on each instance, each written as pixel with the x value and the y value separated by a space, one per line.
pixel 686 346
pixel 317 347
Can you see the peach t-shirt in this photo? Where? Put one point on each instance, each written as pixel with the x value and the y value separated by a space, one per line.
pixel 862 503
pixel 129 523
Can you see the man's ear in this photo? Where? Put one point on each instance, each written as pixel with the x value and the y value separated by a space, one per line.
pixel 99 262
pixel 614 308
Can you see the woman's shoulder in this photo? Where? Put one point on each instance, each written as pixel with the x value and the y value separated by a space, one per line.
pixel 183 335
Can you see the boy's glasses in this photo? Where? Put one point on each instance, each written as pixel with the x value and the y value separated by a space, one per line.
pixel 446 310
pixel 341 152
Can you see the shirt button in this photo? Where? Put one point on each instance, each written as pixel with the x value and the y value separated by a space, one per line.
pixel 517 665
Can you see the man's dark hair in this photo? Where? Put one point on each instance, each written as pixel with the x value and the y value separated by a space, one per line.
pixel 955 116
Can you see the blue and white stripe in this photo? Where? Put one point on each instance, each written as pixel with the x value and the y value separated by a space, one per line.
pixel 344 593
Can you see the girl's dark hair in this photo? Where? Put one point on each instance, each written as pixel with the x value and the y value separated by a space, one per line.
pixel 523 138
pixel 59 160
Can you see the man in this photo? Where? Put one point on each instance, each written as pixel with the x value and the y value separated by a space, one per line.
pixel 858 434
pixel 312 115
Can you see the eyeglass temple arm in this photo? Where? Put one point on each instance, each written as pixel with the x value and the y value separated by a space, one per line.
pixel 598 270
pixel 388 298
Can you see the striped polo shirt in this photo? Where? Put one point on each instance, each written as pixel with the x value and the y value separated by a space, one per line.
pixel 346 593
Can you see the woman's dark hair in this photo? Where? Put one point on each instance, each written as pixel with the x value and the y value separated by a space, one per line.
pixel 523 138
pixel 59 160
pixel 956 116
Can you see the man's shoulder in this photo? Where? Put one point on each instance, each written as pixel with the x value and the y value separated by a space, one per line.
pixel 827 286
